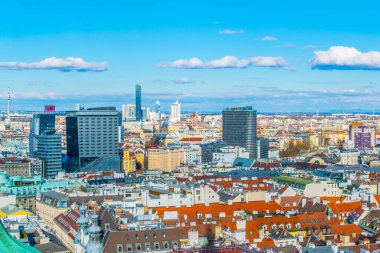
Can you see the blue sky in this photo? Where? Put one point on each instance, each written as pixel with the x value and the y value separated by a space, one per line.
pixel 282 56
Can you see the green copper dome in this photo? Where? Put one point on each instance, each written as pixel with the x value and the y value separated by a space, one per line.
pixel 9 244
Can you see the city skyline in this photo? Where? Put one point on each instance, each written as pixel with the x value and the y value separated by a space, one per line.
pixel 279 57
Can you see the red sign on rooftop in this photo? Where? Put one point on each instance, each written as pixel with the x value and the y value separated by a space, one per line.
pixel 49 108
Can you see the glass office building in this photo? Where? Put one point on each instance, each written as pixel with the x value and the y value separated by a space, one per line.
pixel 239 128
pixel 92 134
pixel 138 103
pixel 49 152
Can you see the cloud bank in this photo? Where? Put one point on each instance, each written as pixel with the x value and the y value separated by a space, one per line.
pixel 183 80
pixel 269 38
pixel 346 58
pixel 227 62
pixel 61 64
pixel 229 32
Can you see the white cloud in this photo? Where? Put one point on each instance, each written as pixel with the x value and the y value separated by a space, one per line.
pixel 183 80
pixel 310 47
pixel 228 31
pixel 346 58
pixel 269 38
pixel 227 62
pixel 62 64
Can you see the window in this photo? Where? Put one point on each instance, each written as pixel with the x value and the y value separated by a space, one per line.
pixel 138 247
pixel 119 248
pixel 129 247
pixel 166 245
pixel 107 226
pixel 156 246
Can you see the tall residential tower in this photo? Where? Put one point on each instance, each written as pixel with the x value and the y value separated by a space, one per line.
pixel 175 113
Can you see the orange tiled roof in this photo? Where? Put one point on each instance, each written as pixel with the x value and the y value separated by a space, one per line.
pixel 192 139
pixel 346 207
pixel 346 229
pixel 377 199
pixel 215 209
pixel 332 199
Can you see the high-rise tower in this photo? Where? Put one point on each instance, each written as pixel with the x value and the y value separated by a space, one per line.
pixel 239 128
pixel 138 103
pixel 92 134
pixel 157 110
pixel 175 113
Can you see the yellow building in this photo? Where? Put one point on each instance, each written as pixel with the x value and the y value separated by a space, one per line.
pixel 13 212
pixel 165 159
pixel 140 158
pixel 128 161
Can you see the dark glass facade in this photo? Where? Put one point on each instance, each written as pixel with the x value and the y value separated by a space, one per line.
pixel 262 148
pixel 42 123
pixel 138 103
pixel 92 134
pixel 239 128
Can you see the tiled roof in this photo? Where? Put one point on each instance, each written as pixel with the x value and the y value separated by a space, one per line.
pixel 216 209
pixel 68 220
pixel 346 207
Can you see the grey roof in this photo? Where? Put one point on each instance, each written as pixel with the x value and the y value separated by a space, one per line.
pixel 243 162
pixel 323 249
pixel 51 248
pixel 281 234
pixel 9 209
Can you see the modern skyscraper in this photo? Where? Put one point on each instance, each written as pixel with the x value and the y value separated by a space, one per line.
pixel 157 110
pixel 145 113
pixel 239 128
pixel 128 112
pixel 262 148
pixel 42 123
pixel 45 144
pixel 138 103
pixel 175 113
pixel 78 107
pixel 92 134
pixel 50 153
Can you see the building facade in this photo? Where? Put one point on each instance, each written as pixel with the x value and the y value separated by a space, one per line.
pixel 362 136
pixel 50 153
pixel 175 112
pixel 239 128
pixel 165 159
pixel 92 134
pixel 138 103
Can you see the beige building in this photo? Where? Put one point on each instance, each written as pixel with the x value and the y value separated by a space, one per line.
pixel 51 204
pixel 165 159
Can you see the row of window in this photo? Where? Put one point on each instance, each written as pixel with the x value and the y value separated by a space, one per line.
pixel 138 247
